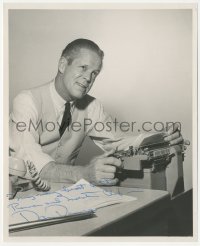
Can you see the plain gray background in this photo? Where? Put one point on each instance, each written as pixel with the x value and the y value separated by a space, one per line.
pixel 147 71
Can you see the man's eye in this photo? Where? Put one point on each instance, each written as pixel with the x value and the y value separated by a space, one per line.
pixel 83 68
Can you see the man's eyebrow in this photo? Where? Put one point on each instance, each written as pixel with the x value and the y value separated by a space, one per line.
pixel 83 65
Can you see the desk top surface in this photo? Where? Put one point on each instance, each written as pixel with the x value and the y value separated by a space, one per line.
pixel 104 216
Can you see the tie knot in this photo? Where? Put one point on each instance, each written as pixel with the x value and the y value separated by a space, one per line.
pixel 67 104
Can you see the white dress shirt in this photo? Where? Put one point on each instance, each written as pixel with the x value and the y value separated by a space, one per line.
pixel 25 144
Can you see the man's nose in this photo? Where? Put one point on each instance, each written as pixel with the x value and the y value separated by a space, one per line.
pixel 88 77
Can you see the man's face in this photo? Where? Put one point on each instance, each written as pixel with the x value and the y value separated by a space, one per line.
pixel 79 76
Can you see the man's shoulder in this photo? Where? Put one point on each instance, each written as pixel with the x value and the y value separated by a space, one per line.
pixel 41 87
pixel 31 97
pixel 28 92
pixel 22 97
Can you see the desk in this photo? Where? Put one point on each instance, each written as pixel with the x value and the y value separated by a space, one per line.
pixel 147 216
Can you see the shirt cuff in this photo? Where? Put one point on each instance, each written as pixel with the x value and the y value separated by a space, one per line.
pixel 39 160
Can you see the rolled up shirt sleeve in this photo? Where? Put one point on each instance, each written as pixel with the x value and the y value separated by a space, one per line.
pixel 24 140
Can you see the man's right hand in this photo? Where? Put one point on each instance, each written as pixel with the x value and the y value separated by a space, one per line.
pixel 102 169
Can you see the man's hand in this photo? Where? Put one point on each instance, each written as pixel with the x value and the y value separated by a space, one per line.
pixel 174 135
pixel 122 143
pixel 102 169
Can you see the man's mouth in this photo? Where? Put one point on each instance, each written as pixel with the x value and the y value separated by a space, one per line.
pixel 81 85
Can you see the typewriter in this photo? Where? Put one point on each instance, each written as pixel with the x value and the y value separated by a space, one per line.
pixel 153 165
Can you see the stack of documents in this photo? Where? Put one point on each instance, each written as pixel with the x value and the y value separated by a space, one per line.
pixel 69 203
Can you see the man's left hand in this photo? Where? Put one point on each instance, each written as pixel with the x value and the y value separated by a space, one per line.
pixel 174 135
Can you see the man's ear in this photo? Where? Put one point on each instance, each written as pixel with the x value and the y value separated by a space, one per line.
pixel 62 64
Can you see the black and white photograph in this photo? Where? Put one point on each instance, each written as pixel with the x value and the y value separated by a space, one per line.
pixel 101 121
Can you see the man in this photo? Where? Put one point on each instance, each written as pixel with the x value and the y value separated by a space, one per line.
pixel 40 122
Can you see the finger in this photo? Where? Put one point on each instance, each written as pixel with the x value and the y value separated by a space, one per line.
pixel 176 141
pixel 112 161
pixel 108 147
pixel 109 144
pixel 173 128
pixel 107 141
pixel 105 154
pixel 109 169
pixel 114 181
pixel 123 146
pixel 108 153
pixel 172 136
pixel 109 182
pixel 108 175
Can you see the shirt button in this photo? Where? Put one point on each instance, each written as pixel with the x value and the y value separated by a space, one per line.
pixel 59 144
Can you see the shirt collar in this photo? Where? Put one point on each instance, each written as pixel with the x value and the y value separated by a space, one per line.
pixel 58 100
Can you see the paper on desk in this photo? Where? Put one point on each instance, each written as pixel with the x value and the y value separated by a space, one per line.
pixel 78 198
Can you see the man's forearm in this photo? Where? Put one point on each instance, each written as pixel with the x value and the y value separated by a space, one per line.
pixel 55 172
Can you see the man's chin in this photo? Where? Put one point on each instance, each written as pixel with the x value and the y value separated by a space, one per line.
pixel 78 96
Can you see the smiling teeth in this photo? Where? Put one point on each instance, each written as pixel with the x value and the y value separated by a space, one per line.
pixel 82 85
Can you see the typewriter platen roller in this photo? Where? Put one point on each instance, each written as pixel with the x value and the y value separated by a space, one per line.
pixel 153 165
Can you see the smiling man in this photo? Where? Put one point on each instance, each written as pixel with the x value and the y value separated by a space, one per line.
pixel 64 104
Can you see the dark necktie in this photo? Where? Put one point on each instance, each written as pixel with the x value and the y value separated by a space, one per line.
pixel 66 119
